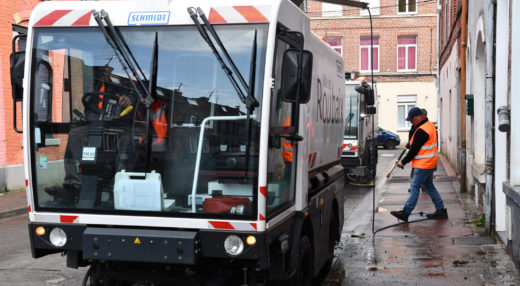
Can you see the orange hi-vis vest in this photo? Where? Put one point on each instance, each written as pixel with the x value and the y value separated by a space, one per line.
pixel 158 118
pixel 102 89
pixel 427 157
pixel 287 146
pixel 159 123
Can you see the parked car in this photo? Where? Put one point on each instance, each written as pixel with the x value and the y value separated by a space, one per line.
pixel 387 139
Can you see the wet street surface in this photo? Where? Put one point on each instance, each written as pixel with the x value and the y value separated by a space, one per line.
pixel 428 252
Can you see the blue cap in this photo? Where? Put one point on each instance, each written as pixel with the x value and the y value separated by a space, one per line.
pixel 413 112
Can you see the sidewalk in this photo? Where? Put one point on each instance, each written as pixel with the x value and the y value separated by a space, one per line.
pixel 429 252
pixel 12 203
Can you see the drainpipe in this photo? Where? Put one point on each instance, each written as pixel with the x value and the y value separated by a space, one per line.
pixel 437 79
pixel 462 146
pixel 489 107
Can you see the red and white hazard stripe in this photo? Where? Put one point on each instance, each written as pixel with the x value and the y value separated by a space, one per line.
pixel 349 148
pixel 232 225
pixel 239 14
pixel 65 18
pixel 68 218
pixel 262 202
pixel 217 15
pixel 312 159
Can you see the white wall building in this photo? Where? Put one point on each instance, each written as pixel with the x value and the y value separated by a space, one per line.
pixel 449 89
pixel 396 98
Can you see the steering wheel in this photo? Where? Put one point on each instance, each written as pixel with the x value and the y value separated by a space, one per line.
pixel 91 101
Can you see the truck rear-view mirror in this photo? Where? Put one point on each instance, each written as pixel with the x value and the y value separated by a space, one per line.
pixel 290 82
pixel 367 92
pixel 17 70
pixel 17 61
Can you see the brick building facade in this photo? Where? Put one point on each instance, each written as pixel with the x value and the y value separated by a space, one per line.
pixel 449 80
pixel 11 155
pixel 405 39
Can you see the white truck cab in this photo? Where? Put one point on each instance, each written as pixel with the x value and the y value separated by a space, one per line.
pixel 174 142
pixel 359 148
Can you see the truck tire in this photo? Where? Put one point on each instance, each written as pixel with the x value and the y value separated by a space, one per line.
pixel 330 250
pixel 304 270
pixel 390 144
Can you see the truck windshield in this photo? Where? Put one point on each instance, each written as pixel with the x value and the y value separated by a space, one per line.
pixel 352 115
pixel 90 128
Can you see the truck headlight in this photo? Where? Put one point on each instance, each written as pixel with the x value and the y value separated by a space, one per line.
pixel 233 245
pixel 58 237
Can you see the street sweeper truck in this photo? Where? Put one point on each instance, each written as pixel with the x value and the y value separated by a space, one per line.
pixel 181 142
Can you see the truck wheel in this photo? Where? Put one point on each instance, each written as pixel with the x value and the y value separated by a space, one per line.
pixel 330 252
pixel 390 144
pixel 304 270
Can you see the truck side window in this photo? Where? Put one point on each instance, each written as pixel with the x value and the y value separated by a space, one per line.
pixel 281 159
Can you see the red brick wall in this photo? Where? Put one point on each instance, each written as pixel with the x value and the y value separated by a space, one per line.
pixel 452 32
pixel 11 12
pixel 388 26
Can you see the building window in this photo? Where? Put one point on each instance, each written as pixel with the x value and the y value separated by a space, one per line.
pixel 407 53
pixel 407 6
pixel 374 8
pixel 404 104
pixel 336 44
pixel 331 10
pixel 365 54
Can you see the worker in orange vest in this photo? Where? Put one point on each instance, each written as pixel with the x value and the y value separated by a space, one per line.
pixel 104 85
pixel 287 145
pixel 78 138
pixel 424 157
pixel 157 114
pixel 410 134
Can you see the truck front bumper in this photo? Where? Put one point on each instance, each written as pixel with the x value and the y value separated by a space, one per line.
pixel 182 247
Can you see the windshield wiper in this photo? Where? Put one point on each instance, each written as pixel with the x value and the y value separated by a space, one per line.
pixel 152 87
pixel 127 60
pixel 250 101
pixel 349 120
pixel 124 55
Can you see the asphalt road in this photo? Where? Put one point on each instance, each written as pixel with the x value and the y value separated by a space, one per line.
pixel 355 194
pixel 17 267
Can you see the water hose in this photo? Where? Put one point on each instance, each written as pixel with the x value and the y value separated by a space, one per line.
pixel 401 223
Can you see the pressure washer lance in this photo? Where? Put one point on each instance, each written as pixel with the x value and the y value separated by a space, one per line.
pixel 398 159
